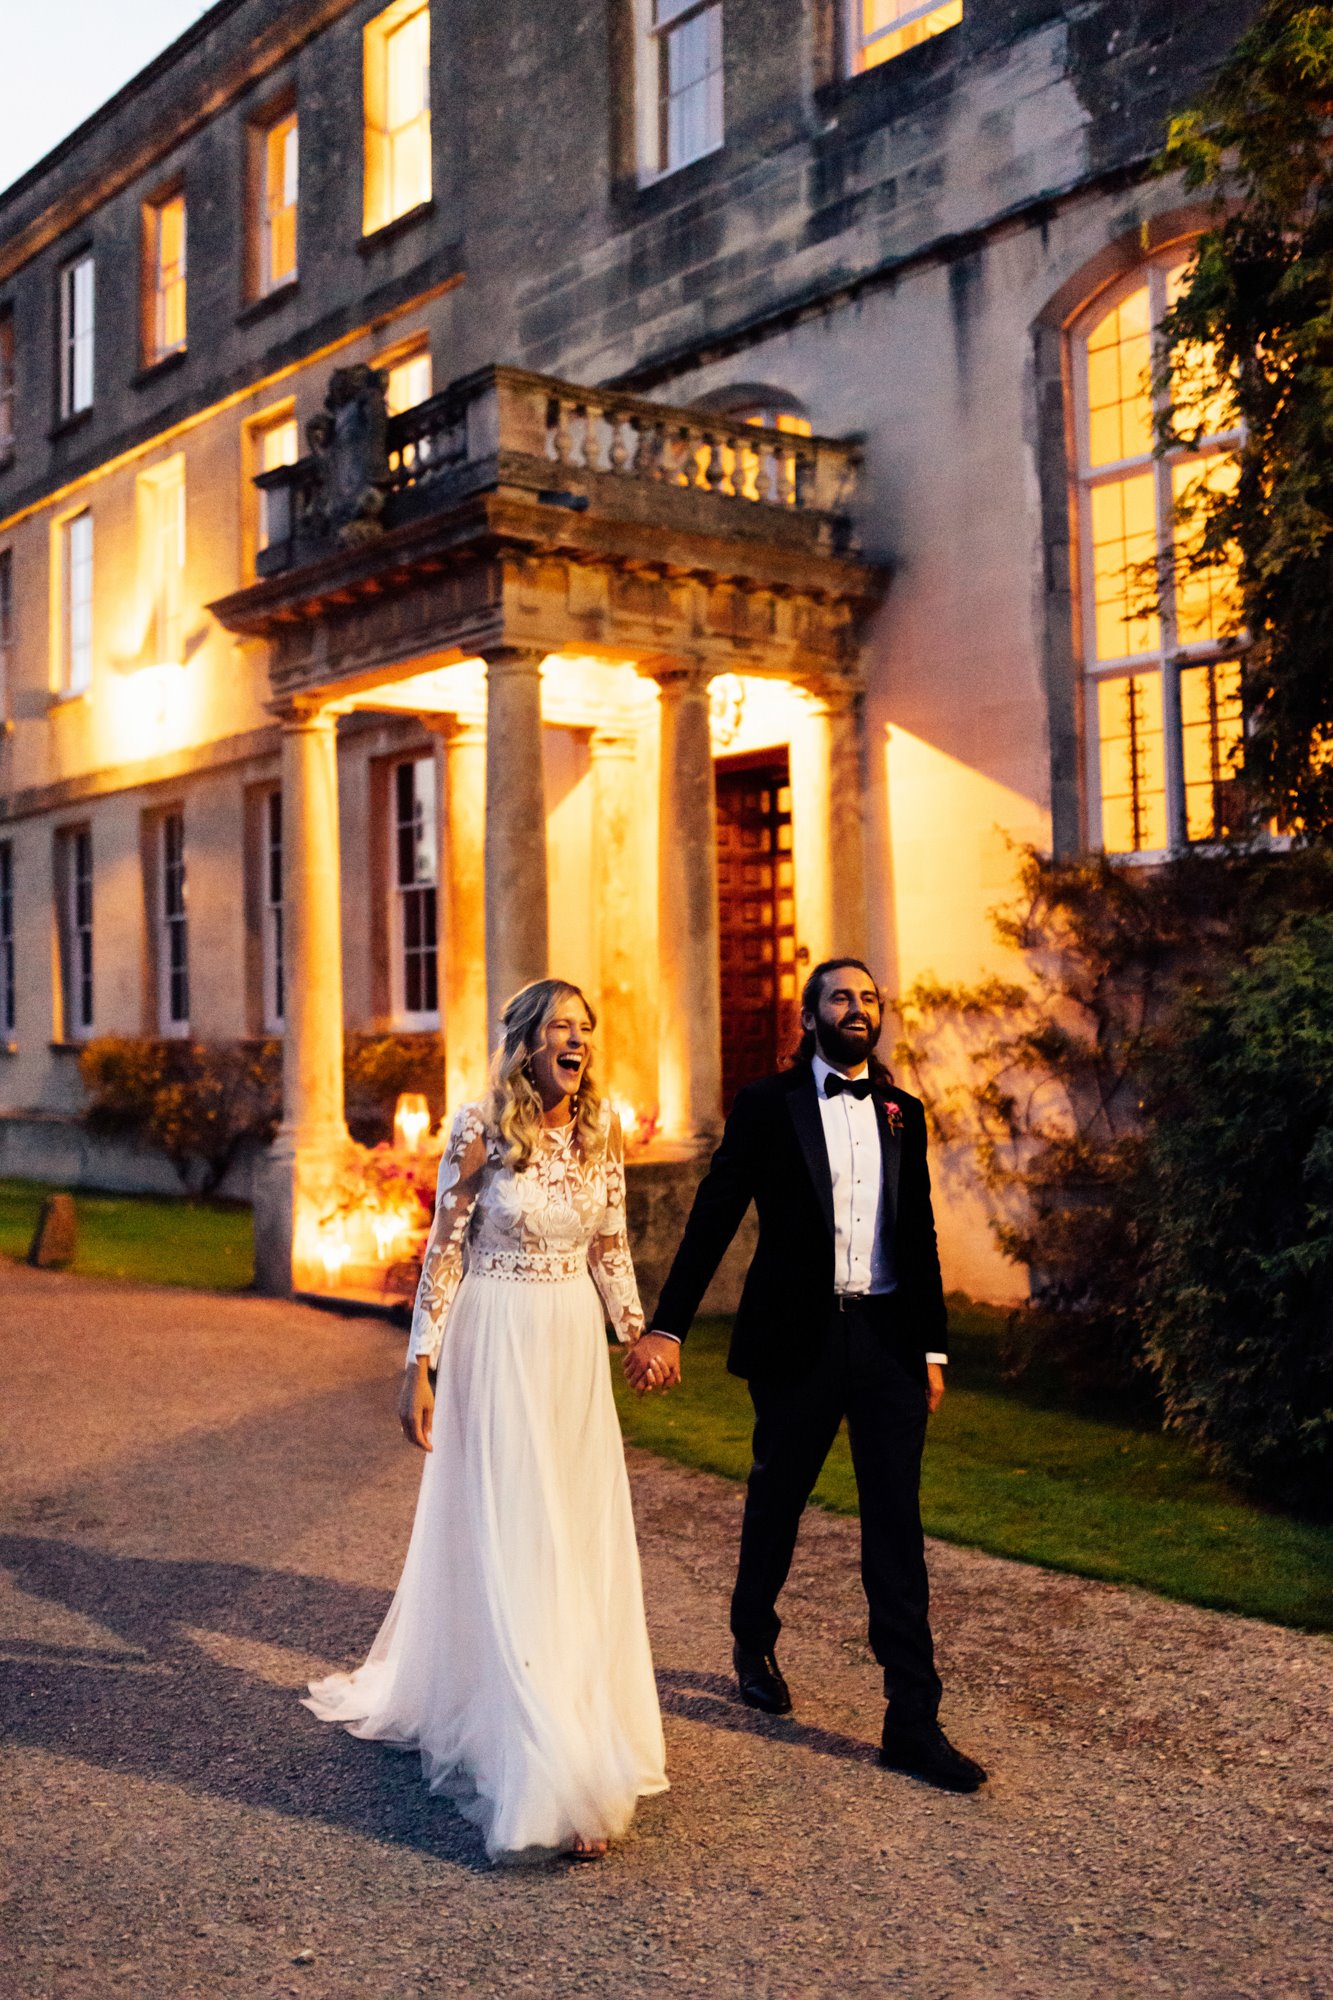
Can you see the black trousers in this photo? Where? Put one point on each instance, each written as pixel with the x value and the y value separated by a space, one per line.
pixel 872 1373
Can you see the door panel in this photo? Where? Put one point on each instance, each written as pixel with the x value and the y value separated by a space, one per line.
pixel 757 919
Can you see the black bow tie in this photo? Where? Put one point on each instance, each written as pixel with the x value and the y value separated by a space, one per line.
pixel 857 1087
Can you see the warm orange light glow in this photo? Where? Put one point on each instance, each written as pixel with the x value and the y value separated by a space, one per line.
pixel 167 331
pixel 881 40
pixel 1132 763
pixel 278 211
pixel 411 1121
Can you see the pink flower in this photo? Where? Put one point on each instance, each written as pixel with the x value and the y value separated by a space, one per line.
pixel 893 1111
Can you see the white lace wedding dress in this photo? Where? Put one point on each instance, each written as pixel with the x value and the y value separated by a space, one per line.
pixel 514 1656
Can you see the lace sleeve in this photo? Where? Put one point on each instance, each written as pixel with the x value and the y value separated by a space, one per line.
pixel 609 1259
pixel 456 1193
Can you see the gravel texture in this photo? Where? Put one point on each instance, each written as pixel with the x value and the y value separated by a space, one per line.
pixel 205 1501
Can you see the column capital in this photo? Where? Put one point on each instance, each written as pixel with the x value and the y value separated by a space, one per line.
pixel 318 717
pixel 680 676
pixel 514 660
pixel 612 743
pixel 832 697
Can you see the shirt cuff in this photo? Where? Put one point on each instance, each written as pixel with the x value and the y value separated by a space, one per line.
pixel 941 1360
pixel 662 1334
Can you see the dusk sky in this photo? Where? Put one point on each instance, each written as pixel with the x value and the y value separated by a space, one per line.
pixel 65 57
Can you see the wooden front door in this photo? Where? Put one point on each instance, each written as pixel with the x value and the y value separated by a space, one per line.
pixel 757 917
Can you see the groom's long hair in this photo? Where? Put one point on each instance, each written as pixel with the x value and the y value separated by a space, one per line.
pixel 881 1076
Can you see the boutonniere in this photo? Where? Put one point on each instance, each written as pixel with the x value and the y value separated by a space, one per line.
pixel 893 1111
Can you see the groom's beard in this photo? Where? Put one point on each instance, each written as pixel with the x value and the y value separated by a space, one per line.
pixel 842 1050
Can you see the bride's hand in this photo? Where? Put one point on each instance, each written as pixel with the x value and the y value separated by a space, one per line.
pixel 652 1362
pixel 416 1405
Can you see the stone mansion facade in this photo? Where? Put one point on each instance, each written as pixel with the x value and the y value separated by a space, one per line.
pixel 644 489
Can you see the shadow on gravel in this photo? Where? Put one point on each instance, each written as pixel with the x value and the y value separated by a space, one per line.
pixel 712 1700
pixel 166 1710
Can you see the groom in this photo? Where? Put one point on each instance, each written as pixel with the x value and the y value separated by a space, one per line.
pixel 842 1315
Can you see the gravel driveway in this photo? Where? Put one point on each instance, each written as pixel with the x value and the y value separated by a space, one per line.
pixel 205 1501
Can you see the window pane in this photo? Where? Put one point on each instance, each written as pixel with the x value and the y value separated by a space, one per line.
pixel 6 384
pixel 1212 730
pixel 879 17
pixel 692 88
pixel 1202 399
pixel 1133 787
pixel 279 208
pixel 409 383
pixel 169 302
pixel 77 584
pixel 278 444
pixel 1124 549
pixel 1119 366
pixel 1207 600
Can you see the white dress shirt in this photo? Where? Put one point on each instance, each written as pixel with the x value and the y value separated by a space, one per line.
pixel 862 1262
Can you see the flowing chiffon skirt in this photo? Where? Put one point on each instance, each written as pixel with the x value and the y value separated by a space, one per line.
pixel 515 1655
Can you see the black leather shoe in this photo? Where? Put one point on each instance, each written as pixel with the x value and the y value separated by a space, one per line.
pixel 759 1679
pixel 922 1750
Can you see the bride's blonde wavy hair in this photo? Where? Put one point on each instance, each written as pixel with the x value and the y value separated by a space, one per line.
pixel 514 1105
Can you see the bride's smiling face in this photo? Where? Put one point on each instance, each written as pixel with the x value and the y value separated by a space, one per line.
pixel 562 1053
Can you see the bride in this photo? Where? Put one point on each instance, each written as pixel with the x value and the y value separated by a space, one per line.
pixel 514 1656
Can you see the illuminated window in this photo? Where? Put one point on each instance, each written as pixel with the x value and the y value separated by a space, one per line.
pixel 1164 718
pixel 397 112
pixel 173 932
pixel 878 30
pixel 414 878
pixel 165 234
pixel 6 384
pixel 76 337
pixel 76 603
pixel 161 510
pixel 275 999
pixel 407 381
pixel 277 203
pixel 74 929
pixel 8 968
pixel 6 631
pixel 681 81
pixel 273 444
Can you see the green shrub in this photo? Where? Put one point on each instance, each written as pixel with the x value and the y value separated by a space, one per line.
pixel 199 1102
pixel 1236 1206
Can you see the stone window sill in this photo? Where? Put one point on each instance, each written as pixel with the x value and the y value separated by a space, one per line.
pixel 388 232
pixel 67 426
pixel 268 302
pixel 152 370
pixel 68 1048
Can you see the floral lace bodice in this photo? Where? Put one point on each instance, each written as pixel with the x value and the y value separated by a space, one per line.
pixel 557 1217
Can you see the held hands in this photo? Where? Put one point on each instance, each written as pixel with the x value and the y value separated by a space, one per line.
pixel 934 1387
pixel 416 1405
pixel 653 1362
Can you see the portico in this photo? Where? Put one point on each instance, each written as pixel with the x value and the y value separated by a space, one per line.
pixel 558 583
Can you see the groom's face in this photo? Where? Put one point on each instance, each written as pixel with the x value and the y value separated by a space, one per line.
pixel 846 1020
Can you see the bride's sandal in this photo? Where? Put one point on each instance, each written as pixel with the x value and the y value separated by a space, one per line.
pixel 588 1850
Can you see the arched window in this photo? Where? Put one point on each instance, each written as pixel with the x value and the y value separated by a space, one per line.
pixel 1162 687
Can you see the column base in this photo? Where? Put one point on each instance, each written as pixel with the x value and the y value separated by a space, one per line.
pixel 295 1186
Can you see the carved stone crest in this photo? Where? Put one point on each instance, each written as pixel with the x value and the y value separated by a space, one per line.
pixel 348 443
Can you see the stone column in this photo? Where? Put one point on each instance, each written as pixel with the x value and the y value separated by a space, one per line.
pixel 467 1035
pixel 827 831
pixel 626 1060
pixel 515 841
pixel 689 977
pixel 313 1131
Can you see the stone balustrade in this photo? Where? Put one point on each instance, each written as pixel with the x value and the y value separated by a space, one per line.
pixel 507 426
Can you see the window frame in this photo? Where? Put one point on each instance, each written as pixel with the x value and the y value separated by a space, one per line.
pixel 1171 657
pixel 157 347
pixel 74 652
pixel 856 41
pixel 407 1018
pixel 8 640
pixel 273 940
pixel 161 579
pixel 74 931
pixel 77 341
pixel 381 140
pixel 8 394
pixel 172 923
pixel 8 945
pixel 279 118
pixel 653 71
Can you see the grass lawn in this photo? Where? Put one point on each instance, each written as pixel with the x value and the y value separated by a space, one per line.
pixel 204 1244
pixel 1104 1498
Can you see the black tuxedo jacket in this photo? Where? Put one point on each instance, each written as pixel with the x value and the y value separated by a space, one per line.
pixel 773 1153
